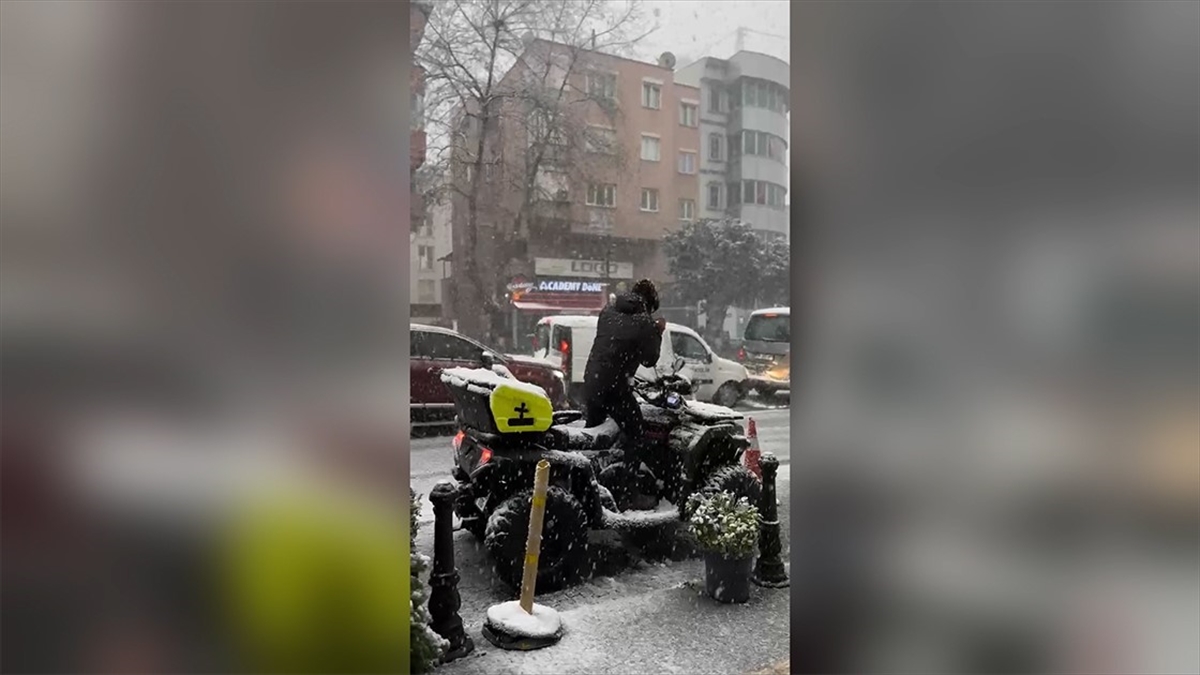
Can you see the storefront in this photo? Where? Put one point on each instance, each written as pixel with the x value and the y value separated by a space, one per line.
pixel 562 286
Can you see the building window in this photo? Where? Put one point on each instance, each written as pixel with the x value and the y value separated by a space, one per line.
pixel 776 148
pixel 762 144
pixel 601 140
pixel 418 112
pixel 750 142
pixel 426 291
pixel 714 99
pixel 764 94
pixel 650 200
pixel 602 86
pixel 425 228
pixel 687 162
pixel 651 148
pixel 602 194
pixel 716 147
pixel 688 115
pixel 763 193
pixel 687 209
pixel 651 95
pixel 425 257
pixel 714 195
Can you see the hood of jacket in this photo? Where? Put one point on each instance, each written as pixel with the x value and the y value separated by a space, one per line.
pixel 630 303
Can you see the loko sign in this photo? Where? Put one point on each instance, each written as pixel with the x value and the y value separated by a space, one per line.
pixel 592 269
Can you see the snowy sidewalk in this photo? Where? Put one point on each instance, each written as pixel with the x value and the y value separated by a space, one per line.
pixel 674 630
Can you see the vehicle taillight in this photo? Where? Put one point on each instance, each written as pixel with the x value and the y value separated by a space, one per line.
pixel 485 455
pixel 741 353
pixel 564 348
pixel 458 439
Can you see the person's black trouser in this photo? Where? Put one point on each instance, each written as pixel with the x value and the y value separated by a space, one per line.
pixel 620 404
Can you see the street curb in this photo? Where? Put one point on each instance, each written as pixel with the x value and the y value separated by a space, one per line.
pixel 781 668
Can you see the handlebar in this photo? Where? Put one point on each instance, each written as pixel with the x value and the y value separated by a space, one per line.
pixel 669 382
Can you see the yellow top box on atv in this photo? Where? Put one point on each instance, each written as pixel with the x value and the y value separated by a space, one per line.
pixel 494 403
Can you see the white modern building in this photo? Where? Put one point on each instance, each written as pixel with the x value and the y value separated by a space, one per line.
pixel 744 108
pixel 429 244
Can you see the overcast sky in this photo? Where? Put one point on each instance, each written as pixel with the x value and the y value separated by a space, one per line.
pixel 692 29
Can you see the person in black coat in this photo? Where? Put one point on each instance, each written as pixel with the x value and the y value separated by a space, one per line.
pixel 627 336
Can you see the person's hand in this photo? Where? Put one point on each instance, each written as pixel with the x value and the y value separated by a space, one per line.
pixel 661 323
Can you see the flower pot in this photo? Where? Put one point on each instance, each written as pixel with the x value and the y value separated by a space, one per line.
pixel 728 579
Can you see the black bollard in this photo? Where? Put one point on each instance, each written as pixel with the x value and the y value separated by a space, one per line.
pixel 444 600
pixel 769 570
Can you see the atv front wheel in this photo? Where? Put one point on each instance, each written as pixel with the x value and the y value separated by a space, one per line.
pixel 738 481
pixel 564 539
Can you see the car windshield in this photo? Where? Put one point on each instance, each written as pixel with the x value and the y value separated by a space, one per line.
pixel 769 328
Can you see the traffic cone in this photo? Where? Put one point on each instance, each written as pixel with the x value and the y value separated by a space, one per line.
pixel 753 455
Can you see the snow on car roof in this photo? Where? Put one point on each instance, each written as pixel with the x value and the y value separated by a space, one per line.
pixel 571 320
pixel 772 310
pixel 487 380
pixel 590 322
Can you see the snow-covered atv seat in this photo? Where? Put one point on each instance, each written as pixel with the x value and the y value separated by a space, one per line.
pixel 578 437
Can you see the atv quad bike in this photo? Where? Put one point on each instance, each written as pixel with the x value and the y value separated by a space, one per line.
pixel 507 427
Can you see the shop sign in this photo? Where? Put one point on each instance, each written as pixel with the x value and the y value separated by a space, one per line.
pixel 592 269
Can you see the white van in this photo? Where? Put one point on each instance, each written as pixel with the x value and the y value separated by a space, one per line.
pixel 566 341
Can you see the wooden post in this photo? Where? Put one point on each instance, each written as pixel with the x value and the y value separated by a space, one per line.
pixel 533 545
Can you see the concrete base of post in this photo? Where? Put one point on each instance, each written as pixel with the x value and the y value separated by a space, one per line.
pixel 508 626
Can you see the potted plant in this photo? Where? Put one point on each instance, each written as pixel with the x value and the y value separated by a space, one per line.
pixel 727 531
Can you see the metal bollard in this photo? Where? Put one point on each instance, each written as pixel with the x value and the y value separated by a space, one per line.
pixel 444 601
pixel 769 570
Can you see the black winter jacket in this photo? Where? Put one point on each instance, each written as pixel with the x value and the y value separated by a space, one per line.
pixel 626 337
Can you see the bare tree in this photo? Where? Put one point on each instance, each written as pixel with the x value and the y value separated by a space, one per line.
pixel 514 119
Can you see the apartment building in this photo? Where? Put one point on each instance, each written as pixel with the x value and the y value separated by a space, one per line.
pixel 616 168
pixel 743 173
pixel 429 267
pixel 418 15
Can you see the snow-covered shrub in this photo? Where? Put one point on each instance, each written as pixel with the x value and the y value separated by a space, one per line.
pixel 426 646
pixel 724 526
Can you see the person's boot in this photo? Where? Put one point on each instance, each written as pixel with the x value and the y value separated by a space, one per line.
pixel 644 496
pixel 640 501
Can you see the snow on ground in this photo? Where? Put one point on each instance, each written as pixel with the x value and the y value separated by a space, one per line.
pixel 640 612
pixel 655 632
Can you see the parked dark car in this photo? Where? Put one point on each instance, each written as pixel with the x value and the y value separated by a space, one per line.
pixel 433 349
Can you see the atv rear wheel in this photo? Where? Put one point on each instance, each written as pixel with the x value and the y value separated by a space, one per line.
pixel 564 539
pixel 738 481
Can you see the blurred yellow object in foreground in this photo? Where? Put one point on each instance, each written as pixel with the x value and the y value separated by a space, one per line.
pixel 1171 460
pixel 318 582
